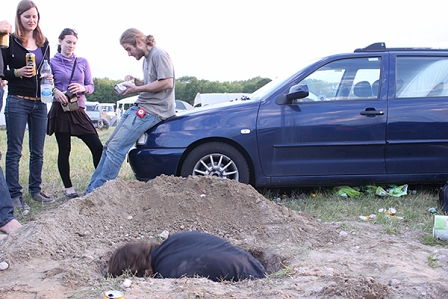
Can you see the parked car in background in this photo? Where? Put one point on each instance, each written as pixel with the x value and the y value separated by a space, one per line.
pixel 99 120
pixel 108 109
pixel 375 116
pixel 124 104
pixel 182 106
pixel 107 112
pixel 205 99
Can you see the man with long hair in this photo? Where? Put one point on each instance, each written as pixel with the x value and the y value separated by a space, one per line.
pixel 155 103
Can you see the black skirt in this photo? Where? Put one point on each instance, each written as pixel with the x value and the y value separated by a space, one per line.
pixel 74 122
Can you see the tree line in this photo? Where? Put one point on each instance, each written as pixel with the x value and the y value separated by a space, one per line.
pixel 186 88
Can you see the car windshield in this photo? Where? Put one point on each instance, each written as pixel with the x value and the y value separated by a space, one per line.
pixel 280 80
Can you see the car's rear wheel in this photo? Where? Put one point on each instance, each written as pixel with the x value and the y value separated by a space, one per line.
pixel 216 159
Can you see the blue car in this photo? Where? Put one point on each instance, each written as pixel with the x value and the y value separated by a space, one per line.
pixel 375 116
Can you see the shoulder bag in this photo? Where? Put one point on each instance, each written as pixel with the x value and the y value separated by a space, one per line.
pixel 72 104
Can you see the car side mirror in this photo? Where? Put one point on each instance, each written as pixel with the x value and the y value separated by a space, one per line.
pixel 298 91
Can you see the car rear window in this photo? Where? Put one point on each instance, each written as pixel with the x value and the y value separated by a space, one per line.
pixel 419 77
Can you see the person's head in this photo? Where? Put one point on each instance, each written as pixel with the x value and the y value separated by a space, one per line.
pixel 27 20
pixel 134 257
pixel 67 42
pixel 136 43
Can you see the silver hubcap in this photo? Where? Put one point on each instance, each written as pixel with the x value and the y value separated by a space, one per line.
pixel 216 165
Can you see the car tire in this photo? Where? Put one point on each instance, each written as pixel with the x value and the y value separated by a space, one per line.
pixel 216 159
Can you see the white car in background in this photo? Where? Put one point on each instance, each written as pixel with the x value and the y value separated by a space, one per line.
pixel 206 99
pixel 99 120
pixel 182 106
pixel 108 112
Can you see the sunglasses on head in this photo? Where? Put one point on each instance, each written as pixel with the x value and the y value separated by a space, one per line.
pixel 70 31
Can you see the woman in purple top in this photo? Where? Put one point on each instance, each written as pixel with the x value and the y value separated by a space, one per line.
pixel 71 123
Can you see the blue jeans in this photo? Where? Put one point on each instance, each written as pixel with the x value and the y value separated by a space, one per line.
pixel 19 113
pixel 128 130
pixel 6 207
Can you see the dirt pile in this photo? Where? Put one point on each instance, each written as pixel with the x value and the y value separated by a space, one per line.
pixel 63 253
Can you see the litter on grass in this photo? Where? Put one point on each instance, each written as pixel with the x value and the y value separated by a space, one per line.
pixel 440 230
pixel 390 213
pixel 392 190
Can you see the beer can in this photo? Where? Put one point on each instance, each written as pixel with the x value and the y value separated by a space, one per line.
pixel 4 40
pixel 114 295
pixel 31 61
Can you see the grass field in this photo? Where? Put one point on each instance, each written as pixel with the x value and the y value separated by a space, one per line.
pixel 412 209
pixel 81 166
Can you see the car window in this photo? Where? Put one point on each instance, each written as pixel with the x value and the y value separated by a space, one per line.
pixel 91 107
pixel 107 108
pixel 345 79
pixel 418 77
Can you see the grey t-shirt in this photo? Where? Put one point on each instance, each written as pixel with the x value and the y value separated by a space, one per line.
pixel 156 66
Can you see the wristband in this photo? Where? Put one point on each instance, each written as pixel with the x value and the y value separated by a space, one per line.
pixel 53 90
pixel 16 73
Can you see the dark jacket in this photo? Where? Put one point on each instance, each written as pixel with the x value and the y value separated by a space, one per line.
pixel 14 58
pixel 193 254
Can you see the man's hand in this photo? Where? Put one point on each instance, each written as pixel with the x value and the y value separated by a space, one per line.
pixel 130 88
pixel 5 27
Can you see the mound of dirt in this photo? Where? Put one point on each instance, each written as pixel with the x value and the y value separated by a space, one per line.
pixel 63 253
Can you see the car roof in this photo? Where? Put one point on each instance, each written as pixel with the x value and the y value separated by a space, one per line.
pixel 381 47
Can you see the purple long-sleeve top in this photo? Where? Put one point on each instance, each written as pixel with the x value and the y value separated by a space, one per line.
pixel 62 68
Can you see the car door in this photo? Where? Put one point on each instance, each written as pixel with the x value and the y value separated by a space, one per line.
pixel 339 129
pixel 417 129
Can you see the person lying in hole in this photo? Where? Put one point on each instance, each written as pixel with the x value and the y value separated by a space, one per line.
pixel 186 254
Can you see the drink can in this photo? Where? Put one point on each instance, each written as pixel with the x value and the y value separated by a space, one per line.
pixel 4 40
pixel 120 88
pixel 114 295
pixel 31 61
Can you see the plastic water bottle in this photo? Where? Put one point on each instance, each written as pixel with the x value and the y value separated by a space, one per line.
pixel 46 88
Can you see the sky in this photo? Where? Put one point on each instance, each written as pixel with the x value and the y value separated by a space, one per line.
pixel 237 40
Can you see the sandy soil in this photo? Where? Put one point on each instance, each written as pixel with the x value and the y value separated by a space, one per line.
pixel 64 252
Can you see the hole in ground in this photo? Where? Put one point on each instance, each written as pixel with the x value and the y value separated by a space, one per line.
pixel 271 261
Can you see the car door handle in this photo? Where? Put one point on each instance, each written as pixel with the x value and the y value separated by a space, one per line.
pixel 372 112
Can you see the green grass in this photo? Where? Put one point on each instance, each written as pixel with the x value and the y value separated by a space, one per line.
pixel 411 209
pixel 81 170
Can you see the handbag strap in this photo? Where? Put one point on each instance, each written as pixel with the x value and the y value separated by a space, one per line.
pixel 73 70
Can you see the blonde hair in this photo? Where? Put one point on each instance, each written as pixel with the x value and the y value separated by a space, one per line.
pixel 131 36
